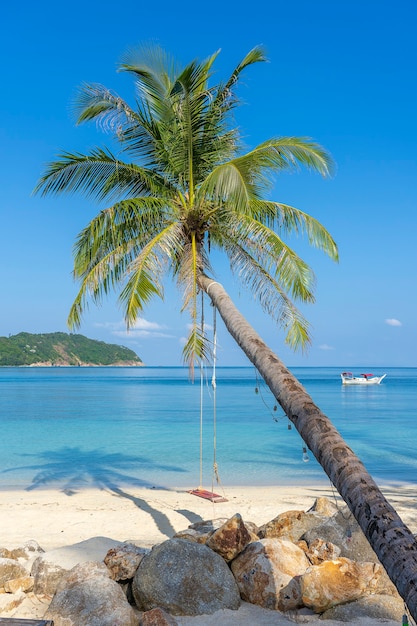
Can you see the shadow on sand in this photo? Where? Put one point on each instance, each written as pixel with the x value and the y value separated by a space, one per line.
pixel 72 469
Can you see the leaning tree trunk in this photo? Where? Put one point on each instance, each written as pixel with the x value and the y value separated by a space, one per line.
pixel 389 537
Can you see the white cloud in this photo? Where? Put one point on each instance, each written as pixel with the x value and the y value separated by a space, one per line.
pixel 324 346
pixel 142 324
pixel 145 334
pixel 393 322
pixel 142 328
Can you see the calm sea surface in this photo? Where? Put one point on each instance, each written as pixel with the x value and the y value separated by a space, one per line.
pixel 68 428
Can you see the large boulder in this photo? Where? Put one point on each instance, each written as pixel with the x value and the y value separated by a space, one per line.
pixel 184 578
pixel 265 570
pixel 336 582
pixel 86 596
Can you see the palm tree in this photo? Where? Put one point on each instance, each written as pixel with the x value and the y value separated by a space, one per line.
pixel 186 188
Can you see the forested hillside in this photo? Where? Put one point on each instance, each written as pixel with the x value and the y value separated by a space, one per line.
pixel 60 349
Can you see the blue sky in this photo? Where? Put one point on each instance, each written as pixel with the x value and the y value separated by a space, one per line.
pixel 341 72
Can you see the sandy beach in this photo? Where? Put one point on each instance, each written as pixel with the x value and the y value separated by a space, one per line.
pixel 149 516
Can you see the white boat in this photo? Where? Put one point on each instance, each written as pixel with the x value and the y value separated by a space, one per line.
pixel 364 379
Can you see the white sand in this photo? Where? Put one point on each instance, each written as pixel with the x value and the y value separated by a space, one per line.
pixel 149 516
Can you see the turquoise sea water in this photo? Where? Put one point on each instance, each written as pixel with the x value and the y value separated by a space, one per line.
pixel 68 428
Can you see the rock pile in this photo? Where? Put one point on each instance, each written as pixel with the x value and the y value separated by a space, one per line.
pixel 317 561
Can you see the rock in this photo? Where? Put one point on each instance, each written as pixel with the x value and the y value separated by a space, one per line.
pixel 189 534
pixel 10 569
pixel 9 602
pixel 199 532
pixel 335 582
pixel 123 560
pixel 343 531
pixel 319 551
pixel 25 583
pixel 184 578
pixel 47 576
pixel 49 568
pixel 87 596
pixel 230 539
pixel 157 617
pixel 28 551
pixel 381 607
pixel 264 571
pixel 291 525
pixel 324 507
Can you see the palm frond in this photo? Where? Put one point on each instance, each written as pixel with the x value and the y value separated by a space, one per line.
pixel 99 175
pixel 146 270
pixel 288 219
pixel 285 153
pixel 226 184
pixel 96 102
pixel 270 294
pixel 197 349
pixel 225 97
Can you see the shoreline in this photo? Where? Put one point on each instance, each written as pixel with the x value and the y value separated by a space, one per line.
pixel 149 516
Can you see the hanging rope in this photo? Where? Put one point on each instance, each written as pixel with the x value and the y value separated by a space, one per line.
pixel 201 398
pixel 213 384
pixel 214 497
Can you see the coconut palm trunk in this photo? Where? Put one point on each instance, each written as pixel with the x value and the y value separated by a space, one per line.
pixel 390 538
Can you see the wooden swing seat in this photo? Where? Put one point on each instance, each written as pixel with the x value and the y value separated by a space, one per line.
pixel 207 495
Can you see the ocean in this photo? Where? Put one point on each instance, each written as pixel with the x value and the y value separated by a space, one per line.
pixel 72 428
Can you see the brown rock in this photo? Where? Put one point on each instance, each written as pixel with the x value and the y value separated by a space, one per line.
pixel 10 569
pixel 264 571
pixel 335 582
pixel 230 539
pixel 324 506
pixel 25 583
pixel 290 525
pixel 319 551
pixel 123 561
pixel 199 532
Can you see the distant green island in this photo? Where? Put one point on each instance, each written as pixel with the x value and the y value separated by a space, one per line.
pixel 62 349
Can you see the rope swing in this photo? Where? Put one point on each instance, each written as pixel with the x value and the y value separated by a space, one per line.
pixel 202 493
